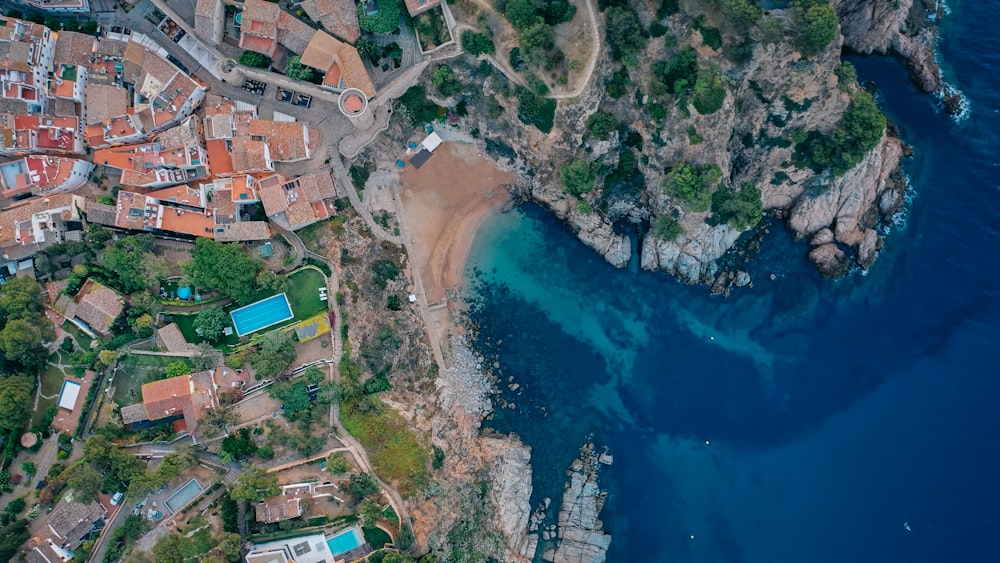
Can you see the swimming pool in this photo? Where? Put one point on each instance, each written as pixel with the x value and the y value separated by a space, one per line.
pixel 262 314
pixel 345 541
pixel 183 495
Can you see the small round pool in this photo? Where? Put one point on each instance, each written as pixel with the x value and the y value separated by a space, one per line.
pixel 184 293
pixel 239 18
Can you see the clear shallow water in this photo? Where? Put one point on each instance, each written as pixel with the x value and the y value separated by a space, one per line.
pixel 835 411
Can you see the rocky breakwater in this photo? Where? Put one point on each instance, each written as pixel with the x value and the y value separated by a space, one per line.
pixel 579 536
pixel 901 27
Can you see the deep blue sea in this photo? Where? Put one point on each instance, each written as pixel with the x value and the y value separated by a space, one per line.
pixel 798 421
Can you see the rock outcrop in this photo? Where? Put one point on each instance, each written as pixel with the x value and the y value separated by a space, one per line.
pixel 581 537
pixel 510 495
pixel 900 27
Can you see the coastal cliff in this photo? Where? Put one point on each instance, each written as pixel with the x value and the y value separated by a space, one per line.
pixel 774 95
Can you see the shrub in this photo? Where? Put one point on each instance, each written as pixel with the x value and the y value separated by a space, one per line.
pixel 535 41
pixel 709 92
pixel 255 60
pixel 709 35
pixel 692 184
pixel 298 71
pixel 743 14
pixel 445 82
pixel 617 85
pixel 418 108
pixel 817 25
pixel 625 34
pixel 677 75
pixel 859 130
pixel 740 208
pixel 533 109
pixel 847 76
pixel 601 124
pixel 385 270
pixel 385 21
pixel 477 43
pixel 576 176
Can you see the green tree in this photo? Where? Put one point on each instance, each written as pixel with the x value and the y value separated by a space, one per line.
pixel 298 71
pixel 336 463
pixel 97 236
pixel 601 123
pixel 625 34
pixel 178 368
pixel 226 267
pixel 839 150
pixel 85 482
pixel 667 228
pixel 15 506
pixel 255 484
pixel 255 60
pixel 522 13
pixel 167 549
pixel 210 322
pixel 273 281
pixel 576 176
pixel 477 43
pixel 15 402
pixel 847 76
pixel 292 394
pixel 28 467
pixel 21 298
pixel 370 512
pixel 206 357
pixel 275 354
pixel 817 25
pixel 362 485
pixel 126 262
pixel 445 82
pixel 239 445
pixel 691 184
pixel 741 208
pixel 4 480
pixel 215 420
pixel 676 76
pixel 385 21
pixel 535 40
pixel 154 268
pixel 12 536
pixel 743 14
pixel 22 340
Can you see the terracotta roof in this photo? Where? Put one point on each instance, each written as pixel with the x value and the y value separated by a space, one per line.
pixel 219 156
pixel 98 306
pixel 105 102
pixel 183 135
pixel 353 70
pixel 260 18
pixel 74 48
pixel 70 521
pixel 287 140
pixel 243 231
pixel 278 508
pixel 134 413
pixel 417 6
pixel 339 17
pixel 173 340
pixel 318 185
pixel 166 397
pixel 294 33
pixel 249 155
pixel 15 228
pixel 100 213
pixel 321 53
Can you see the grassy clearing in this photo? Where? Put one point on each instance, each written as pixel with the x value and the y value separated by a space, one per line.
pixel 43 405
pixel 376 537
pixel 395 452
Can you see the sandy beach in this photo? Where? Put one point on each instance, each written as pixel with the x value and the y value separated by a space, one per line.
pixel 445 202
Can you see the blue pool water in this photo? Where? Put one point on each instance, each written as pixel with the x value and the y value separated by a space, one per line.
pixel 834 412
pixel 262 314
pixel 183 495
pixel 345 541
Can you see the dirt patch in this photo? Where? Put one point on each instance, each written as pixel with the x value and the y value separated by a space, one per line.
pixel 446 201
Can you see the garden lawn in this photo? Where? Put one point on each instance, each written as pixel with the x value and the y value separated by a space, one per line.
pixel 137 369
pixel 394 450
pixel 376 537
pixel 52 379
pixel 81 337
pixel 303 296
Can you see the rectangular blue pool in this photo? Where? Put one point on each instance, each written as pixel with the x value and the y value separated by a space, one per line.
pixel 345 541
pixel 183 495
pixel 262 314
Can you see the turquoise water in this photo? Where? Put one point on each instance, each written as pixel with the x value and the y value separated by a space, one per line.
pixel 262 314
pixel 800 420
pixel 183 495
pixel 345 541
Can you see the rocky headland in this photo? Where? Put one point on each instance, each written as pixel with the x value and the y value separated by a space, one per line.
pixel 771 95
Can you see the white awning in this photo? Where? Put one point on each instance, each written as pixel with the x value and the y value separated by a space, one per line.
pixel 432 142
